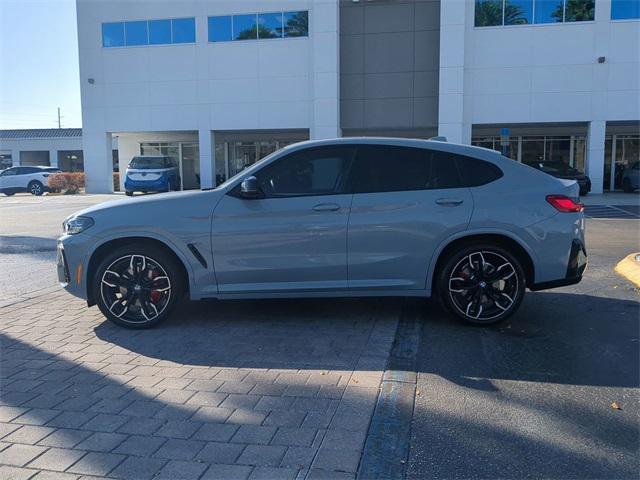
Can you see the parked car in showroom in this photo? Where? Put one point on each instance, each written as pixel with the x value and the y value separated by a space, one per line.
pixel 563 170
pixel 26 179
pixel 151 173
pixel 631 178
pixel 350 217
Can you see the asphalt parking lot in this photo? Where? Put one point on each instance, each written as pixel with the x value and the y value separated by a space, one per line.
pixel 380 388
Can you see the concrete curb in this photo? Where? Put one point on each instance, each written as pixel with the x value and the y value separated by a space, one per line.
pixel 386 450
pixel 629 268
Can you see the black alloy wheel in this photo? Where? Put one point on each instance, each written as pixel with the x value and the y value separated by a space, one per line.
pixel 137 286
pixel 482 284
pixel 36 188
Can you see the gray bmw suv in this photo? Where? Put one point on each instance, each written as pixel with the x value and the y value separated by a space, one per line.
pixel 345 217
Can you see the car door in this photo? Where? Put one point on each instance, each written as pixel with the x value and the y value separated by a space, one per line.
pixel 294 239
pixel 8 178
pixel 406 202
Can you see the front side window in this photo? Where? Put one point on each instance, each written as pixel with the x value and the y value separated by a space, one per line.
pixel 319 171
pixel 183 30
pixel 135 33
pixel 113 34
pixel 385 168
pixel 625 9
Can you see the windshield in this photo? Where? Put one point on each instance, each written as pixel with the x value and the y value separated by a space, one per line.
pixel 146 163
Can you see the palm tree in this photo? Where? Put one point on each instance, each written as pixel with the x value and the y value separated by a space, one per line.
pixel 489 13
pixel 297 25
pixel 576 11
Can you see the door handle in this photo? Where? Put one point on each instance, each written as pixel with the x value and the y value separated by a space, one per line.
pixel 326 207
pixel 449 202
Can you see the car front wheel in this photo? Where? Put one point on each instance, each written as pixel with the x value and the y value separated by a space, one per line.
pixel 481 284
pixel 137 286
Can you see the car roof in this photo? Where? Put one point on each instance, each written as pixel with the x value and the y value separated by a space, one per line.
pixel 457 148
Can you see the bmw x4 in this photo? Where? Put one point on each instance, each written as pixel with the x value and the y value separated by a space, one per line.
pixel 350 217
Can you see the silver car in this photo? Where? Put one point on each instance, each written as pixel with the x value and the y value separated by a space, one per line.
pixel 350 217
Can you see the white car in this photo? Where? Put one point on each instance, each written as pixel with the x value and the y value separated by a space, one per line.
pixel 26 179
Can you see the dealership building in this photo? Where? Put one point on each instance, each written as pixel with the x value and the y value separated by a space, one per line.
pixel 220 84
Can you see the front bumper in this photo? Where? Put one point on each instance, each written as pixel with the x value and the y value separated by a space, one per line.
pixel 575 269
pixel 71 263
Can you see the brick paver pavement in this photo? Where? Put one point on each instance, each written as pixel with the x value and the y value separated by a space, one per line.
pixel 251 389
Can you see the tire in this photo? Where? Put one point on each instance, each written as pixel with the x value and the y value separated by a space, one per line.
pixel 8 194
pixel 35 188
pixel 128 193
pixel 123 285
pixel 472 297
pixel 626 185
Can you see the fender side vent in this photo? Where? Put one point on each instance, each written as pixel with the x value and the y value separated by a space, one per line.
pixel 197 254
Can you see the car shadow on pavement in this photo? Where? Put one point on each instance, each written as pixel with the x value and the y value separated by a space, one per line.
pixel 531 397
pixel 559 338
pixel 292 333
pixel 133 404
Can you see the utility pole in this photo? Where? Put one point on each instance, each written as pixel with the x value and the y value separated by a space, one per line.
pixel 59 118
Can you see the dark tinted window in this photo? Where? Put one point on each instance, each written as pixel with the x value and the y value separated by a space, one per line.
pixel 383 168
pixel 444 172
pixel 28 170
pixel 476 172
pixel 319 171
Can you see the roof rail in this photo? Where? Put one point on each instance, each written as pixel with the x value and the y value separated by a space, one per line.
pixel 438 139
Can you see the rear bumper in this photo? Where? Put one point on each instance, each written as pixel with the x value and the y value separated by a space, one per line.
pixel 160 185
pixel 575 269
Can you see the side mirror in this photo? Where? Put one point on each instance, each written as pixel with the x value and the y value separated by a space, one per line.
pixel 249 188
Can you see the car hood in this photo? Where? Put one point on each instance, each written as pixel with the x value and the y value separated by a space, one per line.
pixel 152 210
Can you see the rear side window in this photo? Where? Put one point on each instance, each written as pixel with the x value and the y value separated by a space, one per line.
pixel 475 172
pixel 385 168
pixel 148 163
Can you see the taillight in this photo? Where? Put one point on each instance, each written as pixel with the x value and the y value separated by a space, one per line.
pixel 562 203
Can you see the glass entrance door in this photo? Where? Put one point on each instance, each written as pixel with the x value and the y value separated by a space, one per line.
pixel 190 166
pixel 621 151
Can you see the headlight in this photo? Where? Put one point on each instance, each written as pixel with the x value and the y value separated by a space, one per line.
pixel 75 225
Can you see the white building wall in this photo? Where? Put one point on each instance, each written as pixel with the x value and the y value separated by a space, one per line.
pixel 539 74
pixel 248 85
pixel 52 145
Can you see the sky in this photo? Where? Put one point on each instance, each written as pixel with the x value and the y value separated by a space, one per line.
pixel 38 64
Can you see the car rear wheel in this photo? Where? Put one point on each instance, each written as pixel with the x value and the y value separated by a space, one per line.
pixel 137 286
pixel 8 194
pixel 128 193
pixel 36 188
pixel 481 284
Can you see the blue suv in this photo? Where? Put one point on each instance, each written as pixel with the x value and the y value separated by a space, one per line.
pixel 151 173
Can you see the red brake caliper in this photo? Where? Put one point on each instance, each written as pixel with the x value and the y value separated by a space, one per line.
pixel 155 294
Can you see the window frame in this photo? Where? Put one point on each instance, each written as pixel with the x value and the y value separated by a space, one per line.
pixel 533 17
pixel 281 13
